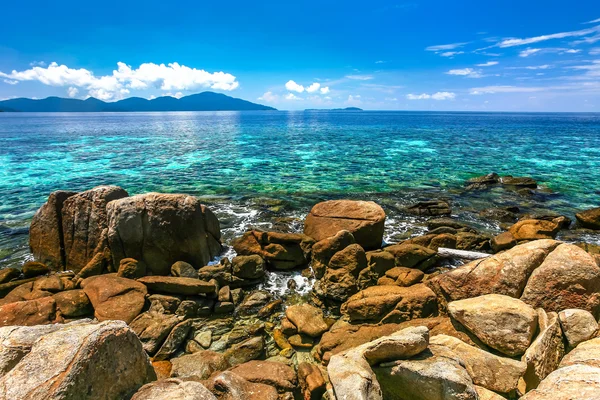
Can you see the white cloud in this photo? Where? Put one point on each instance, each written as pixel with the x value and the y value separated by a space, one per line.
pixel 325 90
pixel 488 64
pixel 443 47
pixel 592 70
pixel 391 99
pixel 177 95
pixel 10 82
pixel 313 88
pixel 149 75
pixel 560 50
pixel 292 96
pixel 586 40
pixel 152 97
pixel 380 62
pixel 360 77
pixel 269 97
pixel 294 87
pixel 593 21
pixel 37 63
pixel 451 53
pixel 594 51
pixel 519 42
pixel 503 89
pixel 467 72
pixel 528 52
pixel 72 91
pixel 353 100
pixel 434 96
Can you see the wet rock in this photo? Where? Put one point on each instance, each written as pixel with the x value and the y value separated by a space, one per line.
pixel 577 326
pixel 534 229
pixel 546 351
pixel 80 362
pixel 308 319
pixel 508 214
pixel 32 268
pixel 589 218
pixel 31 312
pixel 221 272
pixel 506 273
pixel 501 322
pixel 254 302
pixel 245 351
pixel 177 285
pixel 230 386
pixel 249 267
pixel 433 208
pixel 270 308
pixel 173 389
pixel 73 303
pixel 131 268
pixel 520 182
pixel 84 218
pixel 174 341
pixel 364 219
pixel 482 182
pixel 573 382
pixel 161 229
pixel 500 374
pixel 568 278
pixel 324 250
pixel 412 255
pixel 281 251
pixel 115 298
pixel 311 381
pixel 198 366
pixel 301 341
pixel 426 378
pixel 8 274
pixel 275 374
pixel 436 223
pixel 288 328
pixel 390 304
pixel 152 328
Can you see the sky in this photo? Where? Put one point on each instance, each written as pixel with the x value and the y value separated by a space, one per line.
pixel 382 55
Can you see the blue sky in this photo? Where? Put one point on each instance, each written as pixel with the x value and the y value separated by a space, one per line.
pixel 417 55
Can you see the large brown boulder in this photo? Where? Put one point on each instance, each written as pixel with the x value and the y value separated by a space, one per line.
pixel 83 222
pixel 307 319
pixel 271 373
pixel 589 218
pixel 572 382
pixel 45 233
pixel 30 312
pixel 534 229
pixel 568 278
pixel 173 389
pixel 506 273
pixel 281 251
pixel 388 304
pixel 160 229
pixel 364 219
pixel 177 285
pixel 114 297
pixel 102 361
pixel 411 255
pixel 230 386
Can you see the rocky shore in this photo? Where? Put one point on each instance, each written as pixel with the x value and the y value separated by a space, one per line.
pixel 131 297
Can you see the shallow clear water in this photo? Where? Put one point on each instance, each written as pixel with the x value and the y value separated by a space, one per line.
pixel 267 168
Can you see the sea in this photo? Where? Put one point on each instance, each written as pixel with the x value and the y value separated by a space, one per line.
pixel 265 169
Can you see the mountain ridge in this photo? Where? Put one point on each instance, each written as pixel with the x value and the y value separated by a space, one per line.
pixel 205 101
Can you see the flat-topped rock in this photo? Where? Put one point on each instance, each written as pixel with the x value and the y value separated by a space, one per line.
pixel 307 319
pixel 364 219
pixel 173 389
pixel 577 325
pixel 114 297
pixel 177 285
pixel 534 229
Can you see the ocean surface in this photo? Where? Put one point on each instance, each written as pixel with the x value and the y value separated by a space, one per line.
pixel 266 169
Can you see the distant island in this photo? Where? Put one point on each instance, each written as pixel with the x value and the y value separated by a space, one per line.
pixel 335 109
pixel 205 101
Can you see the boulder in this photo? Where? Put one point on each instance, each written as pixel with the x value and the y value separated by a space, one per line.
pixel 589 218
pixel 73 303
pixel 429 377
pixel 198 366
pixel 281 251
pixel 248 350
pixel 30 312
pixel 505 273
pixel 586 353
pixel 337 285
pixel 152 328
pixel 364 219
pixel 323 250
pixel 177 285
pixel 249 267
pixel 500 374
pixel 174 341
pixel 388 304
pixel 84 219
pixel 485 394
pixel 378 264
pixel 573 382
pixel 501 322
pixel 402 276
pixel 81 361
pixel 307 319
pixel 534 229
pixel 311 381
pixel 184 270
pixel 410 255
pixel 173 389
pixel 352 378
pixel 502 241
pixel 23 292
pixel 34 268
pixel 230 386
pixel 568 278
pixel 8 274
pixel 50 283
pixel 114 297
pixel 400 345
pixel 430 208
pixel 164 304
pixel 483 181
pixel 45 232
pixel 131 268
pixel 519 181
pixel 577 326
pixel 271 373
pixel 160 229
pixel 546 351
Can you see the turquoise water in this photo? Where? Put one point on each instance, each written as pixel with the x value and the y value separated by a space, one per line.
pixel 237 159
